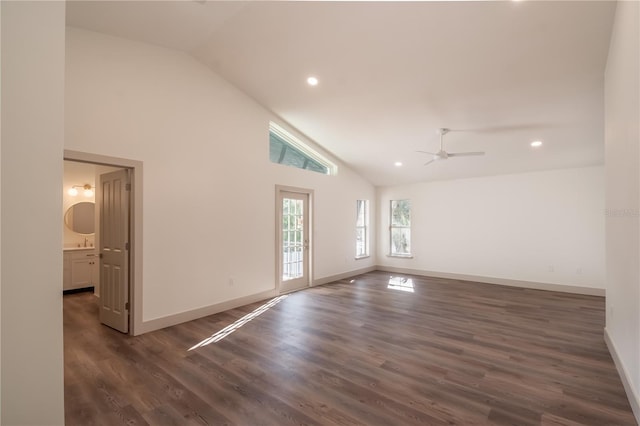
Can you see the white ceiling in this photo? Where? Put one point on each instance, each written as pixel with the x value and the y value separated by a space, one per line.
pixel 392 73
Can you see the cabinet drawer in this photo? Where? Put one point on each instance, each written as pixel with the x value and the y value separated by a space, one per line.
pixel 82 254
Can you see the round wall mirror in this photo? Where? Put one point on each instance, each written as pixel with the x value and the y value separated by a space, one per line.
pixel 81 218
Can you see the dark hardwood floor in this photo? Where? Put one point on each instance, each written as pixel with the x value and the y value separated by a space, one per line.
pixel 355 352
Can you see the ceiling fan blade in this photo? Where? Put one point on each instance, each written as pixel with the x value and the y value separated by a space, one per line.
pixel 429 162
pixel 464 154
pixel 427 152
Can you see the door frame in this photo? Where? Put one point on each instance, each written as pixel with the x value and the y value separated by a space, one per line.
pixel 135 228
pixel 278 249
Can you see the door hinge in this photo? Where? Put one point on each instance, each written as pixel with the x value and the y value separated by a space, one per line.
pixel 127 187
pixel 126 306
pixel 126 245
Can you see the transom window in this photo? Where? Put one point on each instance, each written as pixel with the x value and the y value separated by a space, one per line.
pixel 284 148
pixel 400 228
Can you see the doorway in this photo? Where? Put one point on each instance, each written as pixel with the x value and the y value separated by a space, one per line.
pixel 294 243
pixel 117 238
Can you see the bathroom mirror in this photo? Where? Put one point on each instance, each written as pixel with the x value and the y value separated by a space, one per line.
pixel 81 218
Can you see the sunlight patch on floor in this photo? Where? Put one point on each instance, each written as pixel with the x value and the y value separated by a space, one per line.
pixel 401 284
pixel 239 323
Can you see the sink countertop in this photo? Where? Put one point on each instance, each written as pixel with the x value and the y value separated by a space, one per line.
pixel 77 248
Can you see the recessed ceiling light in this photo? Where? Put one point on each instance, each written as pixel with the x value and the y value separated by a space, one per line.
pixel 312 81
pixel 536 144
pixel 398 163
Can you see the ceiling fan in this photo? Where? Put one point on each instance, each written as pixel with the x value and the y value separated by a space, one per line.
pixel 442 154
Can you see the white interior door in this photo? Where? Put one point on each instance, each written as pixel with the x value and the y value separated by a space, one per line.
pixel 114 249
pixel 293 240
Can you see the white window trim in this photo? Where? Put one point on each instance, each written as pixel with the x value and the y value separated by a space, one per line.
pixel 366 230
pixel 298 144
pixel 391 227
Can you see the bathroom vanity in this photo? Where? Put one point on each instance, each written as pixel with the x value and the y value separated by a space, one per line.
pixel 81 264
pixel 81 268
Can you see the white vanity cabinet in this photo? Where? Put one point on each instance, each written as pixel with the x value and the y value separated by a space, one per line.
pixel 80 269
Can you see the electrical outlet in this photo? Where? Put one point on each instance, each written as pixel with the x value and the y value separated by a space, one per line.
pixel 231 282
pixel 552 268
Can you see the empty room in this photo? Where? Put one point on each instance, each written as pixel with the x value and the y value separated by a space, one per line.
pixel 271 213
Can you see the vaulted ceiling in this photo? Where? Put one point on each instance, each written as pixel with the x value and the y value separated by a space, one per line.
pixel 391 73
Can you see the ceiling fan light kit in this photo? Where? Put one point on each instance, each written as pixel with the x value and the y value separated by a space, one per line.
pixel 442 154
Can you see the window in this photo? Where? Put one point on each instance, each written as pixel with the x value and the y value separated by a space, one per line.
pixel 400 228
pixel 286 149
pixel 362 228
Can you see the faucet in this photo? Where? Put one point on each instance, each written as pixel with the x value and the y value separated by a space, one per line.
pixel 86 240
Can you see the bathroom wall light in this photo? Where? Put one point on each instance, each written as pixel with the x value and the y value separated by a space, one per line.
pixel 87 190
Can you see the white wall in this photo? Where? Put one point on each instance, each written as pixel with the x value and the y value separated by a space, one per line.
pixel 32 144
pixel 209 188
pixel 622 138
pixel 543 227
pixel 1 102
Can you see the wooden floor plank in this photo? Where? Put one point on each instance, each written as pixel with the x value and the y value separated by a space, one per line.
pixel 355 352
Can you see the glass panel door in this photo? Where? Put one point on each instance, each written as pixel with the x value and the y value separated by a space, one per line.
pixel 294 240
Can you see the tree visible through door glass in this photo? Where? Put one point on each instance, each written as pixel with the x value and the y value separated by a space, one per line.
pixel 292 241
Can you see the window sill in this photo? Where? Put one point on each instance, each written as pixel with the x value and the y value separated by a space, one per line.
pixel 362 257
pixel 401 256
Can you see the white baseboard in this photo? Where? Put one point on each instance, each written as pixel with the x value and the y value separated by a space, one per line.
pixel 349 274
pixel 500 281
pixel 632 393
pixel 168 321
